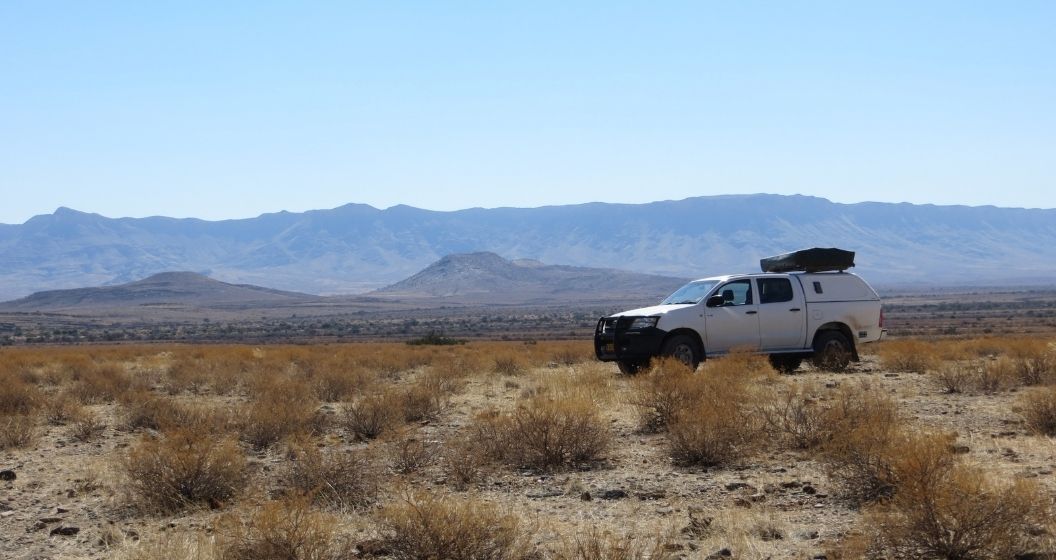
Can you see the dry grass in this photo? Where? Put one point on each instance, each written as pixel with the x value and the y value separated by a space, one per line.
pixel 17 430
pixel 182 469
pixel 798 417
pixel 336 479
pixel 282 530
pixel 1039 411
pixel 371 415
pixel 909 355
pixel 598 545
pixel 283 409
pixel 429 526
pixel 545 433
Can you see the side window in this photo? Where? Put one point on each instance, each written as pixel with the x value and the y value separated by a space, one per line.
pixel 774 290
pixel 738 292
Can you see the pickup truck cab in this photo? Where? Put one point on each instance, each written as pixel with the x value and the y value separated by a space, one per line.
pixel 788 315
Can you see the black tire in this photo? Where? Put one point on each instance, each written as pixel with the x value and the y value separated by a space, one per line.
pixel 628 367
pixel 785 363
pixel 832 351
pixel 683 348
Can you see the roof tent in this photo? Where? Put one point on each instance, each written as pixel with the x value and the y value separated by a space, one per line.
pixel 809 260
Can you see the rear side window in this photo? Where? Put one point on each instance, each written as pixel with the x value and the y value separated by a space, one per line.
pixel 817 287
pixel 774 290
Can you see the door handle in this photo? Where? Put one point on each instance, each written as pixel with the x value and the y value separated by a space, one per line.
pixel 750 312
pixel 794 309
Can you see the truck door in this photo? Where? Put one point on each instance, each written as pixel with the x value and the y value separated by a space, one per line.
pixel 782 315
pixel 733 323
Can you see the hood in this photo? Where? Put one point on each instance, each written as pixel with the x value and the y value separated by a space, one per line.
pixel 652 311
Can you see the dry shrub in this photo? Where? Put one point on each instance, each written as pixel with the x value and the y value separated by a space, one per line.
pixel 284 409
pixel 371 415
pixel 169 546
pixel 509 364
pixel 907 355
pixel 665 390
pixel 335 385
pixel 429 526
pixel 1034 361
pixel 1039 411
pixel 410 454
pixel 100 383
pixel 719 423
pixel 545 433
pixel 422 402
pixel 184 468
pixel 954 377
pixel 945 509
pixel 62 409
pixel 463 462
pixel 145 410
pixel 798 417
pixel 282 530
pixel 87 427
pixel 17 430
pixel 335 479
pixel 865 434
pixel 17 396
pixel 996 376
pixel 597 545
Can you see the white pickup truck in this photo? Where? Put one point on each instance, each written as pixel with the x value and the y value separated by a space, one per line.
pixel 803 305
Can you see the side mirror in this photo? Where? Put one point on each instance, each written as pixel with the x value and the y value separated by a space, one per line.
pixel 715 301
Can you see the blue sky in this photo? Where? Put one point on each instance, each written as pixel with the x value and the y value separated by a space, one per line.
pixel 231 109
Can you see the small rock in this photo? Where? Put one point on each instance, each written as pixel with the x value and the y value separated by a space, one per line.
pixel 50 519
pixel 819 557
pixel 757 497
pixel 651 495
pixel 7 475
pixel 891 375
pixel 721 553
pixel 807 535
pixel 741 502
pixel 545 493
pixel 738 486
pixel 586 497
pixel 788 484
pixel 65 531
pixel 62 509
pixel 960 449
pixel 668 510
pixel 613 495
pixel 674 547
pixel 810 490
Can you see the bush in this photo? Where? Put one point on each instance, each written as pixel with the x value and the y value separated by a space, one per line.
pixel 410 454
pixel 463 462
pixel 595 545
pixel 100 383
pixel 954 377
pixel 184 468
pixel 665 390
pixel 911 356
pixel 944 509
pixel 545 433
pixel 997 375
pixel 428 526
pixel 87 427
pixel 1039 411
pixel 62 409
pixel 18 397
pixel 17 430
pixel 335 479
pixel 370 416
pixel 865 431
pixel 282 530
pixel 286 410
pixel 798 417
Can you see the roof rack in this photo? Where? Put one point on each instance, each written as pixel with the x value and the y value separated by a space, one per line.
pixel 809 260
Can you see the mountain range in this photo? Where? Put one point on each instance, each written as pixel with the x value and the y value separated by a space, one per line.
pixel 357 248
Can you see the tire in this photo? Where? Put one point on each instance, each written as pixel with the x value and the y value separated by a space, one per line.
pixel 684 349
pixel 832 351
pixel 785 363
pixel 628 367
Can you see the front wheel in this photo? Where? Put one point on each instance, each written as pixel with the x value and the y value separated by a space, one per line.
pixel 682 348
pixel 832 351
pixel 628 367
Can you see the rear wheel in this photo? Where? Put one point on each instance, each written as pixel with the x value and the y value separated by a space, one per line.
pixel 785 363
pixel 832 351
pixel 629 367
pixel 684 349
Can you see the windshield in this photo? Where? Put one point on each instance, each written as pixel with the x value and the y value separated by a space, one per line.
pixel 690 293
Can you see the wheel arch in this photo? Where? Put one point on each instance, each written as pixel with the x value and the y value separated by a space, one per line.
pixel 841 328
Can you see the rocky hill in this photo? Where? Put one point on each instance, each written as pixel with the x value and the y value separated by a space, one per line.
pixel 357 248
pixel 488 278
pixel 167 288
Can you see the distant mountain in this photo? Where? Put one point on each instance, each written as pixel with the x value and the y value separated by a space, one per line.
pixel 357 248
pixel 486 277
pixel 167 288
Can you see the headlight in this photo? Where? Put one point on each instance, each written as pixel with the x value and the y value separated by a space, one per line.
pixel 644 323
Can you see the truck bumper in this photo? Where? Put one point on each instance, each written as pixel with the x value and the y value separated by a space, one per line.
pixel 613 341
